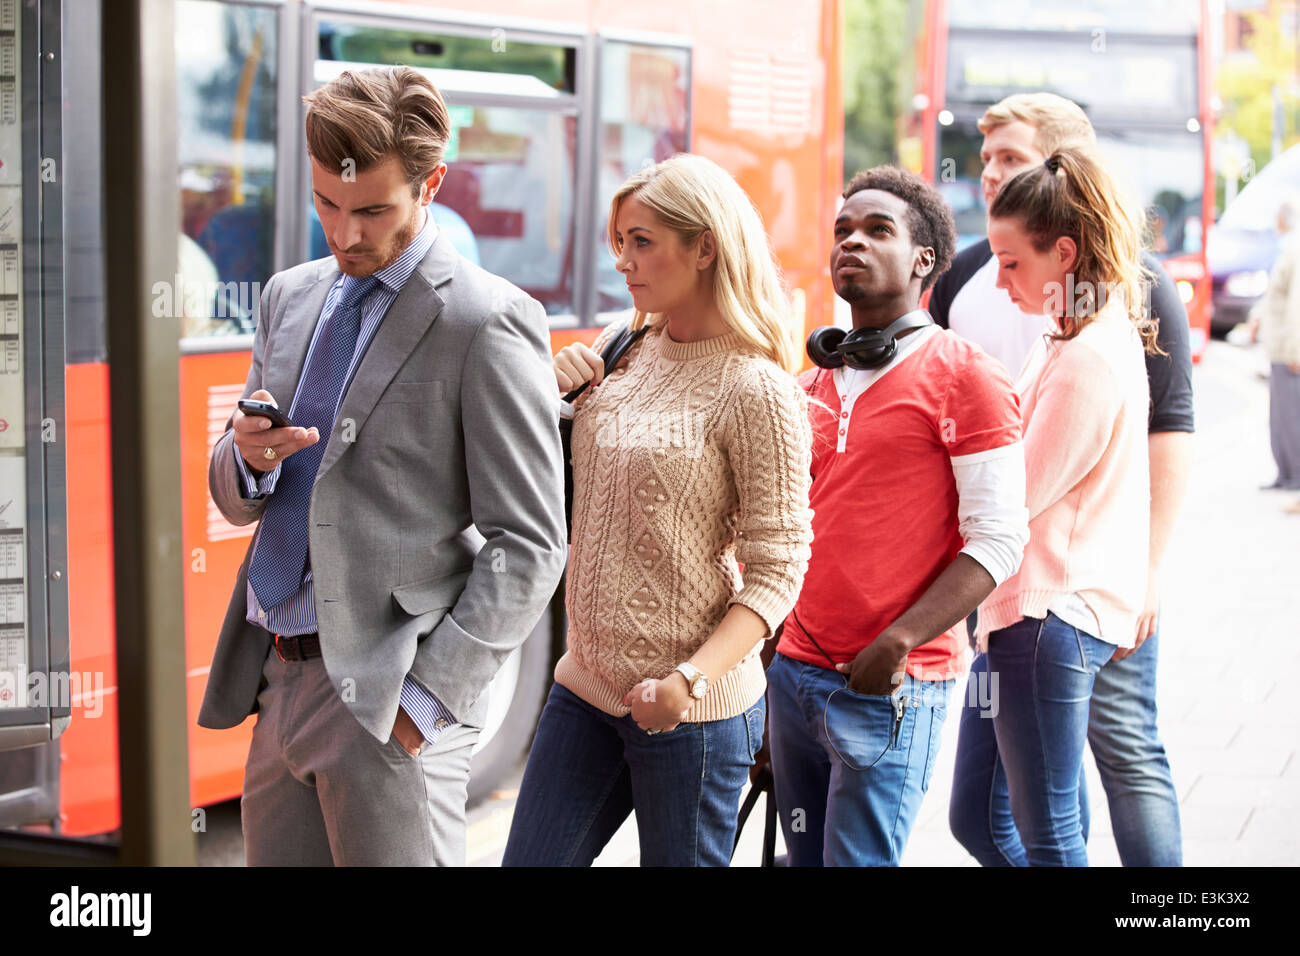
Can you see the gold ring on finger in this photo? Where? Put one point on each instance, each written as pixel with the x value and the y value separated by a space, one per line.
pixel 269 454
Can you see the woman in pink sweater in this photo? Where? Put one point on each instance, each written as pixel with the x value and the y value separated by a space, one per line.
pixel 689 459
pixel 1066 246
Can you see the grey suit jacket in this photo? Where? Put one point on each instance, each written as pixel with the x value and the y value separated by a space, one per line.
pixel 436 531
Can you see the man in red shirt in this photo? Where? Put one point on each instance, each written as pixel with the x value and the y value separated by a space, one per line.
pixel 919 512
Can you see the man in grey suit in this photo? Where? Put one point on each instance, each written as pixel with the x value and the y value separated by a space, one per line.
pixel 411 518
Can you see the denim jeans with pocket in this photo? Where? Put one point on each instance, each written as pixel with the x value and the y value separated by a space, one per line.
pixel 1016 793
pixel 588 770
pixel 851 770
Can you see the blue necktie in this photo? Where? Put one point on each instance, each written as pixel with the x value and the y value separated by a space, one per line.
pixel 280 558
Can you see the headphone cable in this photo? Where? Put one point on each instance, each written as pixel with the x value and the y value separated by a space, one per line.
pixel 795 615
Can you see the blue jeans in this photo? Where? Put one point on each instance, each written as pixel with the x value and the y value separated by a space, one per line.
pixel 1016 793
pixel 1131 760
pixel 850 769
pixel 587 771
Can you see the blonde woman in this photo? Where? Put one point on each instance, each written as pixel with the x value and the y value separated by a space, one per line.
pixel 689 459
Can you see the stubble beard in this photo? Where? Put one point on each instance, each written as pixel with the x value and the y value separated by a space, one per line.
pixel 392 252
pixel 852 292
pixel 402 239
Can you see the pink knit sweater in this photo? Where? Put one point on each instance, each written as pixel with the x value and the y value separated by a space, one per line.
pixel 1085 406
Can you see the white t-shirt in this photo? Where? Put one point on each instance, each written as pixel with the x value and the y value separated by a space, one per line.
pixel 985 314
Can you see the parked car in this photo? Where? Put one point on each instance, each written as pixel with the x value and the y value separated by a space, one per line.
pixel 1244 242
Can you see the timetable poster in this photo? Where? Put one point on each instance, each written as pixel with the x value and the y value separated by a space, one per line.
pixel 12 430
pixel 13 463
pixel 13 586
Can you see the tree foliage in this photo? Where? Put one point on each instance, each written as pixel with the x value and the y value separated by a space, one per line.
pixel 1246 87
pixel 874 36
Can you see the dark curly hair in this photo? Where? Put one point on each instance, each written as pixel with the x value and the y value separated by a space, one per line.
pixel 929 220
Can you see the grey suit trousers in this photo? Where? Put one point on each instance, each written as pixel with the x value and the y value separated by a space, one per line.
pixel 319 790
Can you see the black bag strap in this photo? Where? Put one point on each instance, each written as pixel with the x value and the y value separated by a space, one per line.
pixel 764 783
pixel 612 354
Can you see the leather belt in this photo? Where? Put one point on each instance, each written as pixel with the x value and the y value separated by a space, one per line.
pixel 297 647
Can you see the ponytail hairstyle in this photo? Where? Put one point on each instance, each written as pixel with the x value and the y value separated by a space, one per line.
pixel 691 195
pixel 1071 194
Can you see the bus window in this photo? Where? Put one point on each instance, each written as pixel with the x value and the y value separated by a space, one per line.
pixel 1146 76
pixel 1160 170
pixel 549 65
pixel 1165 172
pixel 509 196
pixel 511 180
pixel 959 169
pixel 1174 16
pixel 226 68
pixel 644 119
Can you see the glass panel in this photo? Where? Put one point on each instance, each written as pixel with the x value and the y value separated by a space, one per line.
pixel 959 179
pixel 1146 16
pixel 1129 77
pixel 644 119
pixel 511 180
pixel 491 61
pixel 507 200
pixel 226 64
pixel 1164 171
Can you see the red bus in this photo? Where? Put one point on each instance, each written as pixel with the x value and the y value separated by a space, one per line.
pixel 1141 71
pixel 551 114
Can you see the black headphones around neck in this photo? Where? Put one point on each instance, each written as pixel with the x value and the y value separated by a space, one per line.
pixel 832 347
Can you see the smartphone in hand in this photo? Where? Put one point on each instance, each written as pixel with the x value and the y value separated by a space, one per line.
pixel 265 410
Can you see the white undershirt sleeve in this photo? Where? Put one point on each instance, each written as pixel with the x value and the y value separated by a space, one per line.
pixel 991 513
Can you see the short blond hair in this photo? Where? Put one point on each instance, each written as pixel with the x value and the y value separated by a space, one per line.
pixel 366 116
pixel 1058 123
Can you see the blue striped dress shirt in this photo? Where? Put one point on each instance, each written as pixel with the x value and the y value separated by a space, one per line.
pixel 297 614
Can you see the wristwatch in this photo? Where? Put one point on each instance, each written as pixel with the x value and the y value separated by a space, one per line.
pixel 696 681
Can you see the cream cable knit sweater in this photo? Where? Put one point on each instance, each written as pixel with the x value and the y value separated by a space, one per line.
pixel 688 458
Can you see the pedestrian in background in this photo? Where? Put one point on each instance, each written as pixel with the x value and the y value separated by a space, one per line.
pixel 1277 319
pixel 1049 629
pixel 691 456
